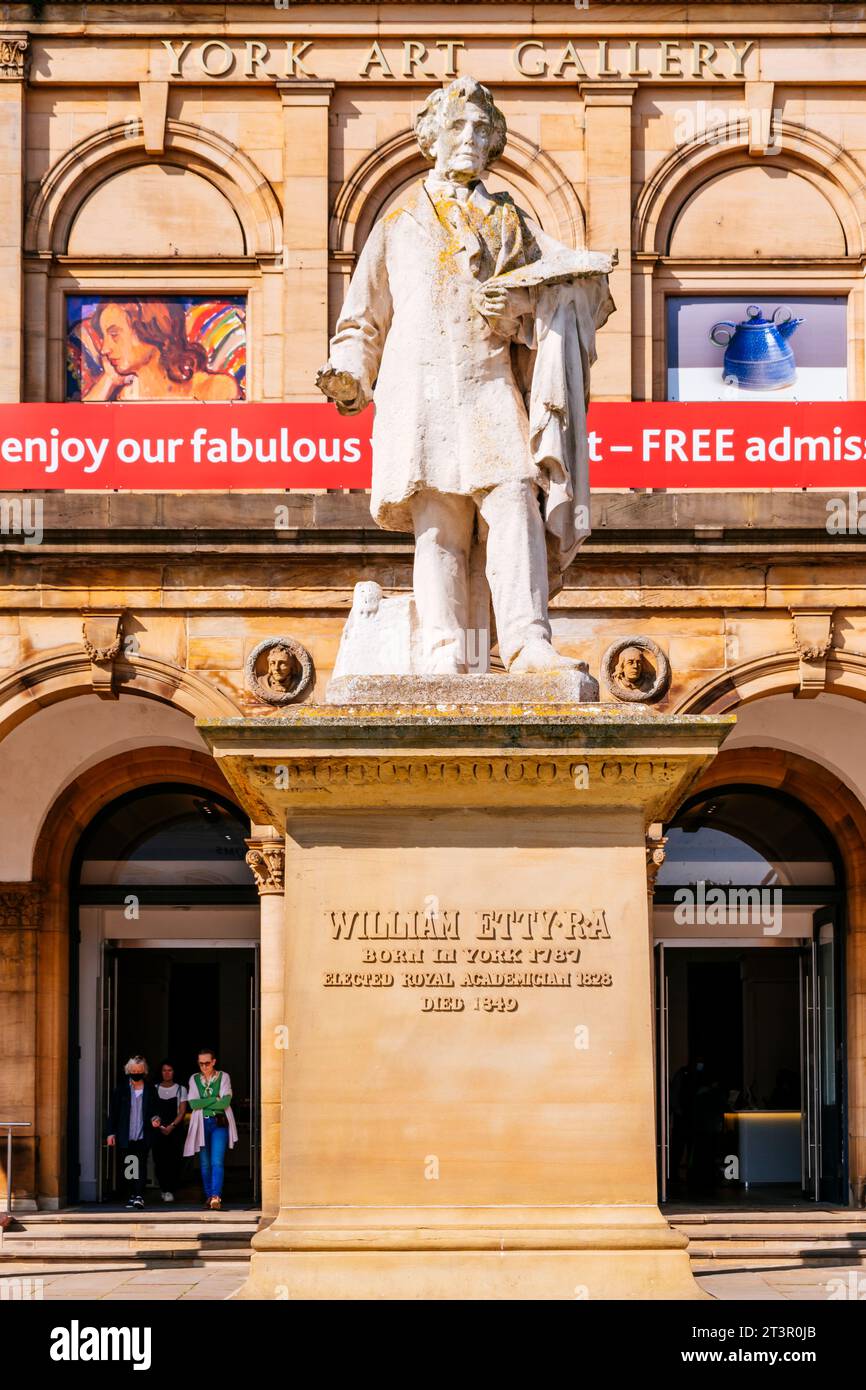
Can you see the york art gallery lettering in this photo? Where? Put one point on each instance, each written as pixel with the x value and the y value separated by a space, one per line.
pixel 437 60
pixel 506 924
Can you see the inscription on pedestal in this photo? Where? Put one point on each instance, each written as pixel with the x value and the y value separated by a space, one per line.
pixel 535 950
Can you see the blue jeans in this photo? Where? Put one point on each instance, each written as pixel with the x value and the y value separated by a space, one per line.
pixel 213 1156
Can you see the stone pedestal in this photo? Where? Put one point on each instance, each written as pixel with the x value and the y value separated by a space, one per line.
pixel 468 1088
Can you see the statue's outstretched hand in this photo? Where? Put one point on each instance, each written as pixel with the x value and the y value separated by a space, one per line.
pixel 342 388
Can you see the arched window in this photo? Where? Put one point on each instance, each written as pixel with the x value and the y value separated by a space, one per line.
pixel 180 838
pixel 745 837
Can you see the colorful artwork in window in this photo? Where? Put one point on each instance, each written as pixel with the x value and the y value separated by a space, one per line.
pixel 156 348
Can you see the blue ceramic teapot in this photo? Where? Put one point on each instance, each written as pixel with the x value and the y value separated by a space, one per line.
pixel 757 355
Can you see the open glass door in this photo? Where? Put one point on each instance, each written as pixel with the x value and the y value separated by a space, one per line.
pixel 107 1066
pixel 662 1071
pixel 821 1056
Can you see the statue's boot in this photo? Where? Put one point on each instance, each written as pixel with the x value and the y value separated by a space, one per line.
pixel 539 655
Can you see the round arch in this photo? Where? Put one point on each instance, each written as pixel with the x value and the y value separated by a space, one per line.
pixel 549 195
pixel 67 672
pixel 74 177
pixel 71 814
pixel 776 674
pixel 804 152
pixel 844 818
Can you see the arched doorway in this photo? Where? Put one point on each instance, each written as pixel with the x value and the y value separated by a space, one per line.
pixel 750 988
pixel 164 960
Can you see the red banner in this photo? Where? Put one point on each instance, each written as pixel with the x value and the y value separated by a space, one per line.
pixel 181 448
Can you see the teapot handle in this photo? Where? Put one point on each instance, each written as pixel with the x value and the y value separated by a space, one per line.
pixel 782 309
pixel 730 328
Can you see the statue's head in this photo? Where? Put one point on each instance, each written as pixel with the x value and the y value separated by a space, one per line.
pixel 280 663
pixel 630 668
pixel 461 129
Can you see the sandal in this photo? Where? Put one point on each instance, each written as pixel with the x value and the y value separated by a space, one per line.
pixel 216 1203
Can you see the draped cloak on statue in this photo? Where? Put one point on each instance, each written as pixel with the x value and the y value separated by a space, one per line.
pixel 461 407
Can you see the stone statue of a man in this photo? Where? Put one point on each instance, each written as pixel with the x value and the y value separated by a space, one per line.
pixel 474 333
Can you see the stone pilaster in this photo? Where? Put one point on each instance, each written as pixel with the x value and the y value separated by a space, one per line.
pixel 13 75
pixel 266 857
pixel 305 233
pixel 19 925
pixel 607 107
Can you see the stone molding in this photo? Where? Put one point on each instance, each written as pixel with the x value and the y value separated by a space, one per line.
pixel 82 168
pixel 326 762
pixel 825 163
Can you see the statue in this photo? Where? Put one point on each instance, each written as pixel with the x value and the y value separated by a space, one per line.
pixel 474 333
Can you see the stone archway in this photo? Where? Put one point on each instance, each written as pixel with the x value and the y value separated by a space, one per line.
pixel 845 819
pixel 550 196
pixel 41 923
pixel 67 672
pixel 74 177
pixel 811 156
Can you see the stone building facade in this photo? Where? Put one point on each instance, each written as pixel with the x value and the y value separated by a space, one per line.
pixel 242 152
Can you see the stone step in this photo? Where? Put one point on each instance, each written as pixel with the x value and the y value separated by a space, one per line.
pixel 74 1237
pixel 823 1232
pixel 98 1215
pixel 809 1216
pixel 72 1250
pixel 123 1230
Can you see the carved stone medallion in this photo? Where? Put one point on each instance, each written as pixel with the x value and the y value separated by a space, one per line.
pixel 279 671
pixel 636 669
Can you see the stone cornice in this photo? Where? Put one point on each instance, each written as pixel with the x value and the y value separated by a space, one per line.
pixel 321 758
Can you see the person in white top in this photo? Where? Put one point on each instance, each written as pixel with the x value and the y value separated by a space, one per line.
pixel 168 1139
pixel 212 1127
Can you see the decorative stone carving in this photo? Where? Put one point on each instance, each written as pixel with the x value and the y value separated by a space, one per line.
pixel 813 636
pixel 102 631
pixel 449 289
pixel 635 669
pixel 380 635
pixel 267 859
pixel 20 906
pixel 279 671
pixel 14 56
pixel 655 855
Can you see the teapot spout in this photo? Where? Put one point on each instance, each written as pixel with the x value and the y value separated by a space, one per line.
pixel 786 329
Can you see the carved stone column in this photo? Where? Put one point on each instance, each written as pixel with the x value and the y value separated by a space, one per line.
pixel 266 857
pixel 13 74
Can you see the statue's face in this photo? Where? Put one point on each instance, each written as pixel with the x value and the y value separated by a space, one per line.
pixel 463 144
pixel 279 666
pixel 631 665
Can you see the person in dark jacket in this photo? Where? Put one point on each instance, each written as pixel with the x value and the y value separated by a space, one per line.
pixel 133 1116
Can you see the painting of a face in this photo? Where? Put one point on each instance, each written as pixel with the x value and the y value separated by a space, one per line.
pixel 124 350
pixel 463 144
pixel 155 347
